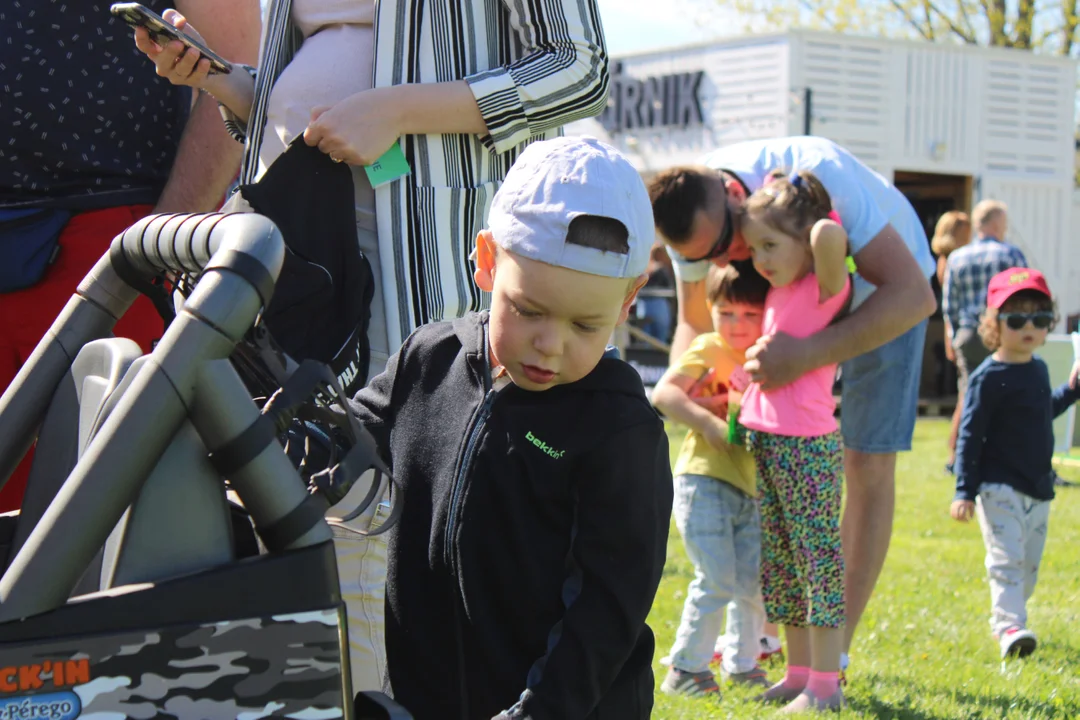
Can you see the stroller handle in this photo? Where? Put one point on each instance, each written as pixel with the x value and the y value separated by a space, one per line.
pixel 186 242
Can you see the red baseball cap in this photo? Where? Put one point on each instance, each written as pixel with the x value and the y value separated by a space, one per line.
pixel 1009 282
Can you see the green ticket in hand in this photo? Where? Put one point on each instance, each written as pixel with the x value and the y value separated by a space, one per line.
pixel 391 166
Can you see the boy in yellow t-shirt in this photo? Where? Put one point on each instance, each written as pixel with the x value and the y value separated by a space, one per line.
pixel 715 503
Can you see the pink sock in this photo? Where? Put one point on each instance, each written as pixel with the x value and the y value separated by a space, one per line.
pixel 823 684
pixel 796 677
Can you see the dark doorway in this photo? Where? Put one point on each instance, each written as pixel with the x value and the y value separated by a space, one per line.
pixel 932 195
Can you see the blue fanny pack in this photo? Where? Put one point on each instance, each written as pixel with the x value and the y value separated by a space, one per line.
pixel 28 245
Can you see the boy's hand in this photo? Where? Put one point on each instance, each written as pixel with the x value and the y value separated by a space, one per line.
pixel 962 510
pixel 716 404
pixel 716 434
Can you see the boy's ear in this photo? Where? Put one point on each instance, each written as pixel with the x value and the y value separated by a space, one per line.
pixel 484 275
pixel 635 287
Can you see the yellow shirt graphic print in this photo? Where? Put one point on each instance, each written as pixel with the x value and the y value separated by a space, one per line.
pixel 711 362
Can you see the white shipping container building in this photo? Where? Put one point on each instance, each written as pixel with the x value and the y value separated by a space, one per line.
pixel 949 124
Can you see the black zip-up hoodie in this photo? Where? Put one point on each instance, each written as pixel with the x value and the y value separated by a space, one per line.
pixel 532 537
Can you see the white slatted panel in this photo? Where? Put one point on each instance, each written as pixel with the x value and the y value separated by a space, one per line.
pixel 851 81
pixel 750 92
pixel 744 96
pixel 940 88
pixel 1040 224
pixel 1027 120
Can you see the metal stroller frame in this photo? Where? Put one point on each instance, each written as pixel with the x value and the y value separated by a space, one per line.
pixel 188 378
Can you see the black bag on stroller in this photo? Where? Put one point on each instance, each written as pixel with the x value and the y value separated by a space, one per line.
pixel 322 302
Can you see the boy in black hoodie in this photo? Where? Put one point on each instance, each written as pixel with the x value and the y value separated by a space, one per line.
pixel 535 479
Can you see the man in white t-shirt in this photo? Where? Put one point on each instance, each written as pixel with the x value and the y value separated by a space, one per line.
pixel 879 345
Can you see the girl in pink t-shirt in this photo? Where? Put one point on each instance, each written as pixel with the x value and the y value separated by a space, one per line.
pixel 801 250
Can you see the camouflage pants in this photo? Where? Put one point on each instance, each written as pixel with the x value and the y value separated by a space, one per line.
pixel 362 574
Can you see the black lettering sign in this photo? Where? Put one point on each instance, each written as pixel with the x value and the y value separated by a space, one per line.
pixel 652 102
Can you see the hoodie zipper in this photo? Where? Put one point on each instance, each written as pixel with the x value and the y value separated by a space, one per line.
pixel 458 488
pixel 456 491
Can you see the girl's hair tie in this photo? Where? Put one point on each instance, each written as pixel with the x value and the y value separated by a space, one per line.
pixel 795 179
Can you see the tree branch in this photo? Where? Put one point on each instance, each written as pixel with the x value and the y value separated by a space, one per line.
pixel 1025 18
pixel 818 10
pixel 995 16
pixel 928 14
pixel 1070 12
pixel 967 37
pixel 927 34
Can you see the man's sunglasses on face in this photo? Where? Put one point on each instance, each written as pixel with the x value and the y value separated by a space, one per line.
pixel 1017 321
pixel 723 242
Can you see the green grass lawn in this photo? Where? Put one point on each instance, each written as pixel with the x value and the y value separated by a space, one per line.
pixel 923 650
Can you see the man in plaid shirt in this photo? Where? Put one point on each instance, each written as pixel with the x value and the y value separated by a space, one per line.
pixel 967 277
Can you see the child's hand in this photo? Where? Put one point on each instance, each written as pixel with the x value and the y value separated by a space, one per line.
pixel 716 404
pixel 716 433
pixel 962 510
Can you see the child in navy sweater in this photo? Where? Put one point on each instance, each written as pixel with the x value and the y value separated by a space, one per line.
pixel 1003 470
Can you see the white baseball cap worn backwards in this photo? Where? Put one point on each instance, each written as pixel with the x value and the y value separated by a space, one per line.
pixel 555 181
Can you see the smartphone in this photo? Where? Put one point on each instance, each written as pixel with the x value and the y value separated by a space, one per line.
pixel 162 32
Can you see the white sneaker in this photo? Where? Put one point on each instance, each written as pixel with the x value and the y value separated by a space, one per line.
pixel 770 647
pixel 1017 642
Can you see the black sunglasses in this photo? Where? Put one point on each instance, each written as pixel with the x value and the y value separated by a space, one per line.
pixel 1016 321
pixel 723 242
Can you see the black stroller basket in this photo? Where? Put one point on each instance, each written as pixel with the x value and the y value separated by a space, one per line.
pixel 123 591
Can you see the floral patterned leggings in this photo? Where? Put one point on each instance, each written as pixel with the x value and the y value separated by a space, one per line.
pixel 802 565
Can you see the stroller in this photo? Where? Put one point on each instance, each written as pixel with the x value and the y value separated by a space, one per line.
pixel 132 587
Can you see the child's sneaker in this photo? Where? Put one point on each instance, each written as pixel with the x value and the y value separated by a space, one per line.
pixel 680 682
pixel 771 647
pixel 1017 642
pixel 753 676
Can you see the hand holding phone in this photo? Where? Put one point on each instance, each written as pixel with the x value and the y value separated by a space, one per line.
pixel 180 69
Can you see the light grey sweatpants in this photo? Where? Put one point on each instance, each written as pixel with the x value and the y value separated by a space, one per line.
pixel 362 560
pixel 1014 533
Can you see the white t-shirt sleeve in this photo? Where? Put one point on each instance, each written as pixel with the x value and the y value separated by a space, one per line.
pixel 685 270
pixel 852 198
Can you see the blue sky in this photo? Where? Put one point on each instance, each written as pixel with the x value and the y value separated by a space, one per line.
pixel 632 25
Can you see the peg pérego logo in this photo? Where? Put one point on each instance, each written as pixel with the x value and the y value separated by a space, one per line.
pixel 50 706
pixel 47 675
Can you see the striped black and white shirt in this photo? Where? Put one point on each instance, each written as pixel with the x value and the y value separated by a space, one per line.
pixel 533 65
